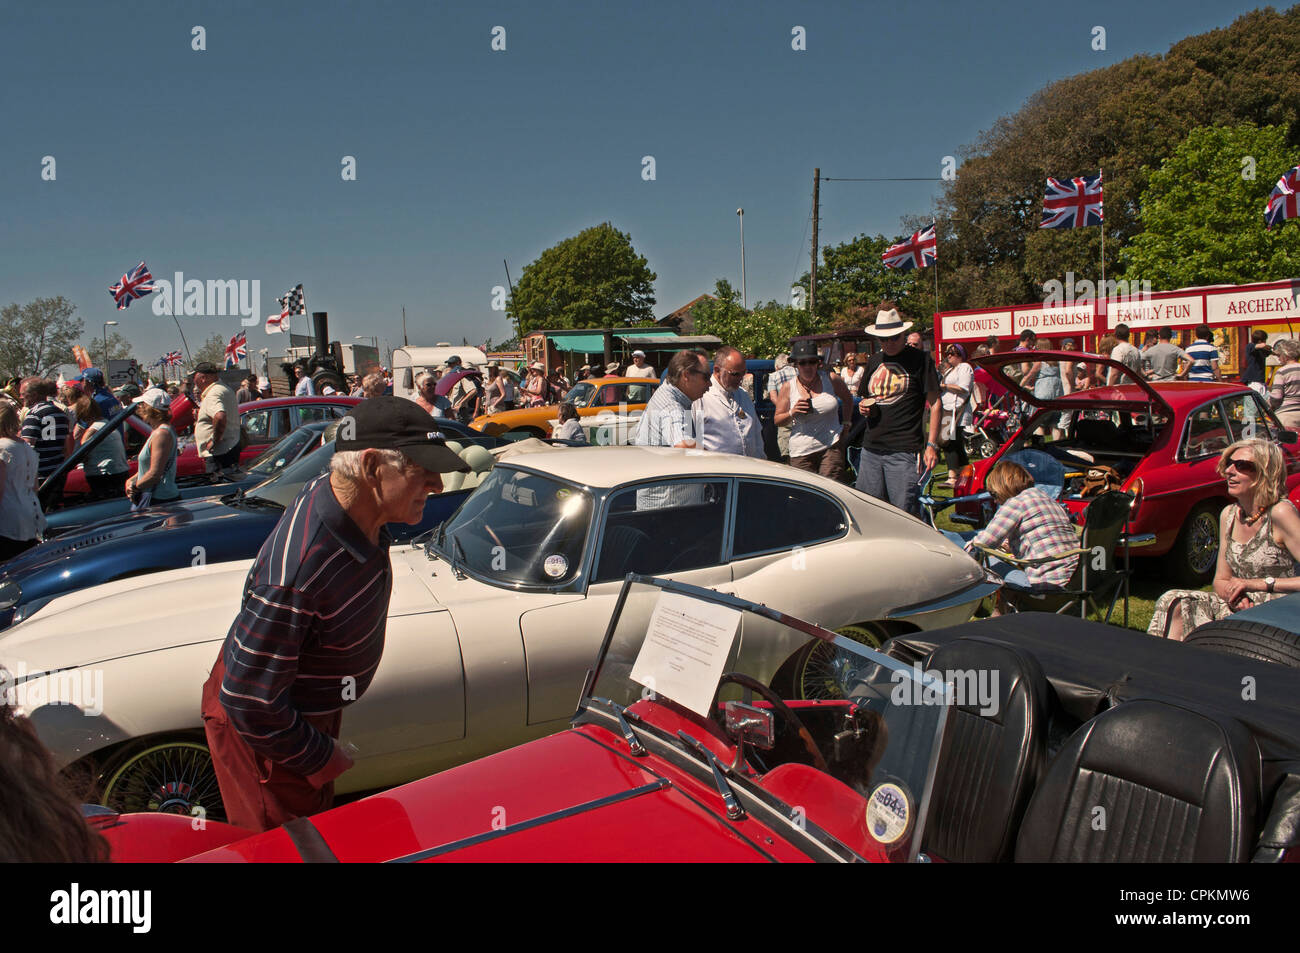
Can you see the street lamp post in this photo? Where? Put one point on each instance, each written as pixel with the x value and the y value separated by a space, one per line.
pixel 107 324
pixel 744 287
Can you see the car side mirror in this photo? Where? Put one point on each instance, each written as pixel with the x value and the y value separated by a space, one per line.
pixel 748 724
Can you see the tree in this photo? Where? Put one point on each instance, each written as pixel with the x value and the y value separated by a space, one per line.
pixel 1202 218
pixel 762 333
pixel 213 349
pixel 38 336
pixel 852 280
pixel 592 280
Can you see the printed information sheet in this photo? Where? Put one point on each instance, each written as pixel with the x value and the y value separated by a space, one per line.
pixel 685 647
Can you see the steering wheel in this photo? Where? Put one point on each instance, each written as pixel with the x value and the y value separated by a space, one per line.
pixel 772 698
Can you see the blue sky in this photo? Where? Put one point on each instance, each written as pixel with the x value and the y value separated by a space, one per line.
pixel 225 163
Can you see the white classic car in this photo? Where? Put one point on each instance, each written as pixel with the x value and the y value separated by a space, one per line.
pixel 495 618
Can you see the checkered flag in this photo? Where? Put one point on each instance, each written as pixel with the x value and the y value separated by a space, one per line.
pixel 293 302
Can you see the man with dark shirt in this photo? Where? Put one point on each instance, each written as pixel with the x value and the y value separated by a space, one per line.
pixel 45 427
pixel 1257 352
pixel 92 384
pixel 247 392
pixel 899 382
pixel 310 633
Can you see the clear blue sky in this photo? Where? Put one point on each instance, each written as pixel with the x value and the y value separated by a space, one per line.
pixel 226 163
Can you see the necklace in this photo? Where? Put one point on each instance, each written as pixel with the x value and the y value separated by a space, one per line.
pixel 1254 517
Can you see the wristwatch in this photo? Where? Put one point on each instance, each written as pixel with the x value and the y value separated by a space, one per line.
pixel 931 443
pixel 1270 582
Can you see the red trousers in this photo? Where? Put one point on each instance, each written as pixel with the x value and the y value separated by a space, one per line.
pixel 259 795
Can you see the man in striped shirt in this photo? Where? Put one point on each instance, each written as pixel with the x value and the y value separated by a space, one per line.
pixel 310 633
pixel 1202 357
pixel 46 427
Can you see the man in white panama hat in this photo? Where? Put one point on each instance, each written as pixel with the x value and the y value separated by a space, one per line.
pixel 900 381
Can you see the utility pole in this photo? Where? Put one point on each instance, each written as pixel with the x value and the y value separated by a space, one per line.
pixel 812 281
pixel 405 342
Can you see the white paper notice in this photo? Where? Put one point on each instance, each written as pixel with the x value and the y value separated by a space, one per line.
pixel 686 645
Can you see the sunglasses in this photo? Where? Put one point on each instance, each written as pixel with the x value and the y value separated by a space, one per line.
pixel 1247 467
pixel 808 361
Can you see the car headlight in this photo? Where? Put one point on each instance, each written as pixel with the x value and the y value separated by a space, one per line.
pixel 10 594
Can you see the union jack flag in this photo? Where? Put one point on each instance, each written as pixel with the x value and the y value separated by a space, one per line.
pixel 134 284
pixel 171 358
pixel 917 252
pixel 237 349
pixel 1282 201
pixel 1074 203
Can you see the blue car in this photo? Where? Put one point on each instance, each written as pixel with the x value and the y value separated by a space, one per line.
pixel 180 534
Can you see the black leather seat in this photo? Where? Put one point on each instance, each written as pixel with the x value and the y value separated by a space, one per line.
pixel 989 763
pixel 1147 781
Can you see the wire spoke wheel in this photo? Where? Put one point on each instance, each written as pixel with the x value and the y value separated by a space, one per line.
pixel 824 670
pixel 175 777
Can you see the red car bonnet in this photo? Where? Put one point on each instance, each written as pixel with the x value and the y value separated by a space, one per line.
pixel 1133 389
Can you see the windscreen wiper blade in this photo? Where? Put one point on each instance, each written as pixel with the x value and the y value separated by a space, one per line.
pixel 734 811
pixel 633 742
pixel 457 551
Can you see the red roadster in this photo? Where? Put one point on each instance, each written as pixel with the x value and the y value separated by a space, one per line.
pixel 1165 438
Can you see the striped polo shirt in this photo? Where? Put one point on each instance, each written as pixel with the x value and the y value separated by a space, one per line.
pixel 310 633
pixel 1202 354
pixel 46 428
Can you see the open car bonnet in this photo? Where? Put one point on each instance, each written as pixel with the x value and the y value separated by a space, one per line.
pixel 1131 389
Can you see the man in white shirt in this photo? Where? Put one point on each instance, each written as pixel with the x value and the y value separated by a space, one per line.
pixel 725 419
pixel 216 427
pixel 639 368
pixel 305 388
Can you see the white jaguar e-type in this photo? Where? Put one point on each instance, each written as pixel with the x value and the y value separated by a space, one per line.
pixel 494 619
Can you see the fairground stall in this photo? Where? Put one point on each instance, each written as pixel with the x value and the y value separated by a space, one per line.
pixel 1231 311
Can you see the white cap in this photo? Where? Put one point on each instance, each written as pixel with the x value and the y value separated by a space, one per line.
pixel 638 353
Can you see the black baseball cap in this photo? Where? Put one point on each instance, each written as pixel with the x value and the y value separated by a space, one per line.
pixel 395 423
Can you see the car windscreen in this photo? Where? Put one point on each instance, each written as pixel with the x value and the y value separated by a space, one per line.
pixel 282 488
pixel 519 529
pixel 283 452
pixel 580 394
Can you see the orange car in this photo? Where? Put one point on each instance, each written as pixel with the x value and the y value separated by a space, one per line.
pixel 600 395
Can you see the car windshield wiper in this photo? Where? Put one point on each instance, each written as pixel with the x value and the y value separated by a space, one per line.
pixel 457 551
pixel 633 742
pixel 734 811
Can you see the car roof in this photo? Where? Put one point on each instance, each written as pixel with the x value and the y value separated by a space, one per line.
pixel 613 466
pixel 269 403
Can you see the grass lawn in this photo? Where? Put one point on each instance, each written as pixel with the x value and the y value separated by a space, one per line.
pixel 1146 586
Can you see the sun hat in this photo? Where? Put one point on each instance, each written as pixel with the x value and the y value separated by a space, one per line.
pixel 395 423
pixel 888 323
pixel 536 366
pixel 611 367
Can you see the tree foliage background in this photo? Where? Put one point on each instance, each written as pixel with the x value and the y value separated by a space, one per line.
pixel 38 336
pixel 213 349
pixel 762 332
pixel 593 280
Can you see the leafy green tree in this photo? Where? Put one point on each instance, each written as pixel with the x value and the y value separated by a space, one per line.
pixel 761 333
pixel 593 280
pixel 213 349
pixel 1202 213
pixel 38 336
pixel 852 280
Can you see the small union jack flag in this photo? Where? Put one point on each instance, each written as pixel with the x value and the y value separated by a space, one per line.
pixel 237 349
pixel 134 284
pixel 917 252
pixel 171 358
pixel 1282 201
pixel 1074 203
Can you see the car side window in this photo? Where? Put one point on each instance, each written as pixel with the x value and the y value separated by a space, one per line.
pixel 662 528
pixel 613 395
pixel 257 424
pixel 310 413
pixel 1248 419
pixel 1206 432
pixel 280 423
pixel 771 517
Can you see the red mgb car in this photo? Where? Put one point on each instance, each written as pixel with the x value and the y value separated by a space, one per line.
pixel 1164 436
pixel 676 753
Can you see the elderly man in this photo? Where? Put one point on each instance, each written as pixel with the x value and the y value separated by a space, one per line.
pixel 216 428
pixel 306 387
pixel 310 633
pixel 636 394
pixel 427 396
pixel 725 419
pixel 373 385
pixel 667 420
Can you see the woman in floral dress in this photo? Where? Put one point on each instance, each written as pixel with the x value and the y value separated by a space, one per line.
pixel 1259 544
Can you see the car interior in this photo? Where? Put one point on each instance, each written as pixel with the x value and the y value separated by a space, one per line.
pixel 1118 761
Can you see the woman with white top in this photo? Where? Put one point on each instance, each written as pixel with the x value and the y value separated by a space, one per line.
pixel 957 383
pixel 816 407
pixel 852 374
pixel 105 465
pixel 21 519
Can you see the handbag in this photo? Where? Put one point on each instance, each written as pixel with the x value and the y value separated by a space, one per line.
pixel 1099 479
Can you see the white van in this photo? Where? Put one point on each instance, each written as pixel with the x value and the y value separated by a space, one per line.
pixel 408 362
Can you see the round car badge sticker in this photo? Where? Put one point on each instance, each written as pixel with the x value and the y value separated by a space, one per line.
pixel 563 493
pixel 555 566
pixel 889 812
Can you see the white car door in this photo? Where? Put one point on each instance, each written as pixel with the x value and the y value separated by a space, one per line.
pixel 675 529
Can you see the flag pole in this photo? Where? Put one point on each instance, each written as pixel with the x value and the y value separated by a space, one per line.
pixel 186 343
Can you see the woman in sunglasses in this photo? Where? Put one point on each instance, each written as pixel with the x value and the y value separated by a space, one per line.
pixel 818 408
pixel 1259 544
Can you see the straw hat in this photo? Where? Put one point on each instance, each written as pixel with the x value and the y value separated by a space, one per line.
pixel 888 323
